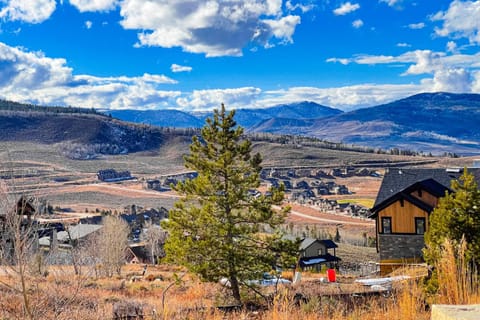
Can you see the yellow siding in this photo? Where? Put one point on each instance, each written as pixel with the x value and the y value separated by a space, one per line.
pixel 403 218
pixel 426 197
pixel 388 266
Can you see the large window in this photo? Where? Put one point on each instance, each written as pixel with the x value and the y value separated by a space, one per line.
pixel 419 225
pixel 386 225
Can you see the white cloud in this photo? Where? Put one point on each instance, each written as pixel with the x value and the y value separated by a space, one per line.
pixel 303 7
pixel 452 80
pixel 343 61
pixel 426 61
pixel 476 82
pixel 450 72
pixel 452 46
pixel 391 3
pixel 208 99
pixel 417 26
pixel 94 5
pixel 88 24
pixel 460 20
pixel 178 68
pixel 357 23
pixel 213 27
pixel 346 8
pixel 32 77
pixel 31 11
pixel 403 45
pixel 345 98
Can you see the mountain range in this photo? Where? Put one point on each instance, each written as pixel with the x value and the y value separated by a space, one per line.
pixel 428 122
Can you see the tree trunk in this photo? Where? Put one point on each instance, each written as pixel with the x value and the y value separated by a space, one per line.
pixel 235 289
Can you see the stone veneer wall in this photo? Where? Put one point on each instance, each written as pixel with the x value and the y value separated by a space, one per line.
pixel 398 246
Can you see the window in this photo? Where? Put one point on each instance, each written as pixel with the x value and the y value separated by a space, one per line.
pixel 419 225
pixel 386 225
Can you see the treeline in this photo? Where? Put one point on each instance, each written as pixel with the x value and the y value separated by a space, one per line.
pixel 25 107
pixel 300 141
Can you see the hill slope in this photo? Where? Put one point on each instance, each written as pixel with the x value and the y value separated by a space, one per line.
pixel 161 118
pixel 80 136
pixel 429 122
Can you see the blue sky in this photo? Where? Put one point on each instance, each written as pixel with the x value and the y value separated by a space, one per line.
pixel 194 55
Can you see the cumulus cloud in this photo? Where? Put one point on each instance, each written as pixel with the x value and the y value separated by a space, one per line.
pixel 452 80
pixel 94 5
pixel 416 26
pixel 31 11
pixel 32 77
pixel 345 98
pixel 214 27
pixel 178 68
pixel 208 99
pixel 346 8
pixel 403 45
pixel 460 20
pixel 88 24
pixel 357 23
pixel 450 72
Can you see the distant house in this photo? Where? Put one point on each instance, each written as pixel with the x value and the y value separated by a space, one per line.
pixel 341 189
pixel 302 185
pixel 111 175
pixel 73 235
pixel 287 184
pixel 138 254
pixel 402 209
pixel 314 253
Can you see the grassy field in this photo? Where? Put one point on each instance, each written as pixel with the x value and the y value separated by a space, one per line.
pixel 35 167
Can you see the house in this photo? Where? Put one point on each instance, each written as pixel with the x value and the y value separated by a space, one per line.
pixel 302 185
pixel 314 253
pixel 137 254
pixel 73 235
pixel 111 175
pixel 402 208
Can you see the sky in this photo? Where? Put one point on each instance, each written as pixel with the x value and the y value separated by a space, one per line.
pixel 193 55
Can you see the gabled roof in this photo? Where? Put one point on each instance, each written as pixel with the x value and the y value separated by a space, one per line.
pixel 307 242
pixel 429 185
pixel 401 196
pixel 399 179
pixel 329 244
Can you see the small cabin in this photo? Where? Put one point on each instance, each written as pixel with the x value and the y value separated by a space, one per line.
pixel 315 253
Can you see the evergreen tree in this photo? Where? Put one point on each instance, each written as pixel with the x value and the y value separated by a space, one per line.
pixel 218 228
pixel 457 215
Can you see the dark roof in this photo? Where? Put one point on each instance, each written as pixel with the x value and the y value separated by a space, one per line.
pixel 307 242
pixel 397 180
pixel 329 244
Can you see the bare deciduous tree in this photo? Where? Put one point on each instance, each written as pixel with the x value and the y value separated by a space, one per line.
pixel 155 237
pixel 112 242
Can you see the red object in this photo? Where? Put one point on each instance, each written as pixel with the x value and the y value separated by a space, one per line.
pixel 331 275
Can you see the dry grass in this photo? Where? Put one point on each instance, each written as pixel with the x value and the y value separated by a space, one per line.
pixel 191 299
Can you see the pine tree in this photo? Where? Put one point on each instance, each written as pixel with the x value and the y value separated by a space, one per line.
pixel 457 215
pixel 218 228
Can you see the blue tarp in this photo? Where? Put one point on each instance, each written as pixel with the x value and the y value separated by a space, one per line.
pixel 313 261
